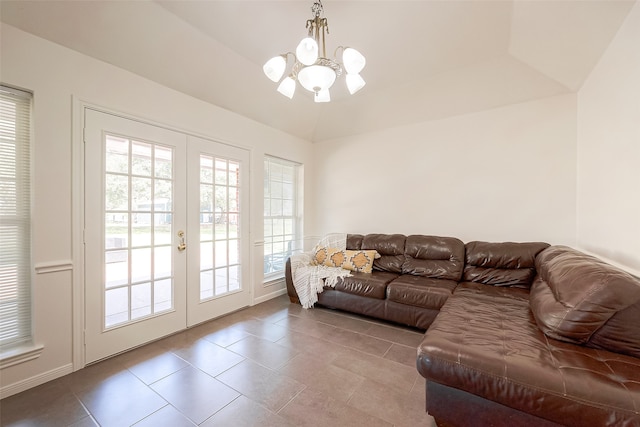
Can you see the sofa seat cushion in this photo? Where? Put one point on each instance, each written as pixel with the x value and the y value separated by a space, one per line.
pixel 493 348
pixel 420 291
pixel 488 293
pixel 372 285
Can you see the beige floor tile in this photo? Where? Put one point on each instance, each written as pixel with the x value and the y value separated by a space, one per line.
pixel 120 400
pixel 392 374
pixel 400 409
pixel 419 391
pixel 274 317
pixel 264 352
pixel 165 417
pixel 156 367
pixel 312 408
pixel 396 334
pixel 306 325
pixel 260 329
pixel 194 393
pixel 296 310
pixel 338 319
pixel 262 385
pixel 335 318
pixel 237 316
pixel 402 354
pixel 364 343
pixel 319 374
pixel 244 412
pixel 85 422
pixel 48 404
pixel 209 357
pixel 197 332
pixel 93 375
pixel 316 346
pixel 227 336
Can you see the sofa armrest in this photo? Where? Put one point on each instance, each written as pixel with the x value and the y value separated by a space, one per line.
pixel 291 290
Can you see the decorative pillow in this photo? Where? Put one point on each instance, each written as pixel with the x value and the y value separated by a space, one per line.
pixel 361 261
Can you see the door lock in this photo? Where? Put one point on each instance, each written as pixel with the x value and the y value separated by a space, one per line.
pixel 182 245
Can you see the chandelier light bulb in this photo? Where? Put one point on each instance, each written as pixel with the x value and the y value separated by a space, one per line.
pixel 274 68
pixel 322 96
pixel 307 51
pixel 353 60
pixel 316 78
pixel 287 87
pixel 355 82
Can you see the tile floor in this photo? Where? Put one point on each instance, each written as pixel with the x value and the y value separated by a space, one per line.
pixel 274 364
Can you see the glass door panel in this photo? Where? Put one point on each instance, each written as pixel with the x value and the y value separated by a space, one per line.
pixel 219 237
pixel 135 284
pixel 138 193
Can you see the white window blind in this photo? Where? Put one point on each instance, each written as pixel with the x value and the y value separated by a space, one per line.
pixel 281 214
pixel 15 216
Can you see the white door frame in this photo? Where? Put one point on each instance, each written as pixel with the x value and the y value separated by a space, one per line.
pixel 77 214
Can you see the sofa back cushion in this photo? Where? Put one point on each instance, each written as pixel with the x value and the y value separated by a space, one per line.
pixel 391 250
pixel 502 264
pixel 434 257
pixel 580 299
pixel 354 241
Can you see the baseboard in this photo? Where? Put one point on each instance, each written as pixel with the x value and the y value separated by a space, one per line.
pixel 20 386
pixel 269 296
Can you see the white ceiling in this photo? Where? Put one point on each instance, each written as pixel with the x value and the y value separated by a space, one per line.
pixel 425 59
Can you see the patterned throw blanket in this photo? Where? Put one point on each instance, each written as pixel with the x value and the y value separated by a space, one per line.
pixel 310 279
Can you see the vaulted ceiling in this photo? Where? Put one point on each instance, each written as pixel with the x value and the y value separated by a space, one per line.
pixel 425 59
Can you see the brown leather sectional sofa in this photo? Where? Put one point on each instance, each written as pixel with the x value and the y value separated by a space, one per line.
pixel 518 334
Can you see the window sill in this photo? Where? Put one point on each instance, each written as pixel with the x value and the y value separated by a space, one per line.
pixel 19 354
pixel 271 281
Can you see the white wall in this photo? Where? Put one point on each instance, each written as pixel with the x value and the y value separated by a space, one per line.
pixel 507 174
pixel 56 75
pixel 609 151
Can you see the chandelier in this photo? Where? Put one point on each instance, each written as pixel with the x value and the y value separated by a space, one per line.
pixel 311 67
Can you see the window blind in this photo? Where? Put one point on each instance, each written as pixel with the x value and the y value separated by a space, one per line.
pixel 281 214
pixel 15 216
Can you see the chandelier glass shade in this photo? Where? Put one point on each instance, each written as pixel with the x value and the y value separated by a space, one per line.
pixel 311 68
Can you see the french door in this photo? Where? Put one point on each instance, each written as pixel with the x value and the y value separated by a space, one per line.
pixel 217 177
pixel 166 232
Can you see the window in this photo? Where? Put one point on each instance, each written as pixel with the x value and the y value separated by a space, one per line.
pixel 15 216
pixel 282 222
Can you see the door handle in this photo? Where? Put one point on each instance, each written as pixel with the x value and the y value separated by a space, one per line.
pixel 182 245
